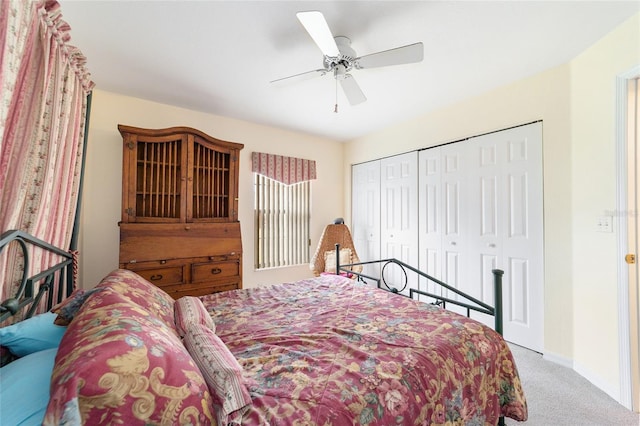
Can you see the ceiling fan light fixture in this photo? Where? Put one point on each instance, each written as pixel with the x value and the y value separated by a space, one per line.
pixel 339 58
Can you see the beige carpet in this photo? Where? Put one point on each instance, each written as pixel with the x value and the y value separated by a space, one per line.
pixel 557 395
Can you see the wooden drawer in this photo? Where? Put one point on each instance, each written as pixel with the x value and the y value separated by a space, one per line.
pixel 144 242
pixel 177 291
pixel 162 276
pixel 214 271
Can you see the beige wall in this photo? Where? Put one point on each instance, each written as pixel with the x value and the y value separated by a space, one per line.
pixel 576 102
pixel 593 191
pixel 99 235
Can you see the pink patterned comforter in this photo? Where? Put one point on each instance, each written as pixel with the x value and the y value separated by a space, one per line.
pixel 329 351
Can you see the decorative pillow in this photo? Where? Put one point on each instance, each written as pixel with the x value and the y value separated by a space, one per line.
pixel 142 292
pixel 222 373
pixel 24 389
pixel 190 311
pixel 118 363
pixel 32 335
pixel 330 259
pixel 68 308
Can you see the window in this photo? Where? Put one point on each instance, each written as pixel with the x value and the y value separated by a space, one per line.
pixel 282 210
pixel 282 214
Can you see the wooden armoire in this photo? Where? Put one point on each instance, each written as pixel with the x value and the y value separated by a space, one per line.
pixel 179 225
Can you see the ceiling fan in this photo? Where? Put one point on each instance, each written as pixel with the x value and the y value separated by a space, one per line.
pixel 339 58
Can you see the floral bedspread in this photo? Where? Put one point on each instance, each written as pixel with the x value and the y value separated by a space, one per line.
pixel 329 351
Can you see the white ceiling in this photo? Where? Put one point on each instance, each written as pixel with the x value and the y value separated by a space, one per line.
pixel 219 56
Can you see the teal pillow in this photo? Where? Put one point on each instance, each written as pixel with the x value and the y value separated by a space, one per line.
pixel 24 388
pixel 32 335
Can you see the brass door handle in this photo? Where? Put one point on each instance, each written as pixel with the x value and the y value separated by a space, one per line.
pixel 630 258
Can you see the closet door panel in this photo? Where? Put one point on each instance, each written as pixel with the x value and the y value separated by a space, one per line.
pixel 399 219
pixel 430 218
pixel 486 197
pixel 366 213
pixel 523 236
pixel 506 228
pixel 455 215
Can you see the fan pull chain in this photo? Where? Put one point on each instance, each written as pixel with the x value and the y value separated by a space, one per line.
pixel 336 107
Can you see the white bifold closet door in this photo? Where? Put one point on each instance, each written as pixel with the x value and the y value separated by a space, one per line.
pixel 443 220
pixel 399 217
pixel 385 215
pixel 457 212
pixel 365 210
pixel 481 209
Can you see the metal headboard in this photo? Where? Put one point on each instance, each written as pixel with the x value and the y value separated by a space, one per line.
pixel 34 288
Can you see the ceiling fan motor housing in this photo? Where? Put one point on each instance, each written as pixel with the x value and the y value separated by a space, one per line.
pixel 344 62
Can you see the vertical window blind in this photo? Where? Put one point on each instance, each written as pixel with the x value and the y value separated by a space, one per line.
pixel 282 209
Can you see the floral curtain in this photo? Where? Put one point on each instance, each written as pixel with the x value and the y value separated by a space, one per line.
pixel 44 87
pixel 287 170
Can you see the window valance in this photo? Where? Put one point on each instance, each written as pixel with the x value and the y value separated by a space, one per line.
pixel 287 170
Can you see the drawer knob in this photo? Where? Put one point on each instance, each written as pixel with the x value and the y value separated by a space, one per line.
pixel 156 277
pixel 187 228
pixel 215 271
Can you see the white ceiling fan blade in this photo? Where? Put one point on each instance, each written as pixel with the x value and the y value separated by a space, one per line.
pixel 400 55
pixel 352 90
pixel 318 29
pixel 301 77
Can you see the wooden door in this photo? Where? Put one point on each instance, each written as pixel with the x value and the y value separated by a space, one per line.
pixel 211 182
pixel 154 178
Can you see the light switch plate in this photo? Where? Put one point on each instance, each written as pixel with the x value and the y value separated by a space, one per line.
pixel 605 224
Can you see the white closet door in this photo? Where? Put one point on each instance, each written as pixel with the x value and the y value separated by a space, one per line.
pixel 523 237
pixel 506 228
pixel 430 214
pixel 443 218
pixel 475 206
pixel 455 203
pixel 365 210
pixel 399 214
pixel 486 216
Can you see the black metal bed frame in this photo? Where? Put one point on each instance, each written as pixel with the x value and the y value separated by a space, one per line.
pixel 469 302
pixel 34 288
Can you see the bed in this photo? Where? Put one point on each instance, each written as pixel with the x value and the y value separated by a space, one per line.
pixel 329 350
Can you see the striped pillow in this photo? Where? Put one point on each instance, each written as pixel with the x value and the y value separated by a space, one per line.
pixel 190 311
pixel 221 371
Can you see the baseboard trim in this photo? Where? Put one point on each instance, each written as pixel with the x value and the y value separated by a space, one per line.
pixel 558 359
pixel 596 380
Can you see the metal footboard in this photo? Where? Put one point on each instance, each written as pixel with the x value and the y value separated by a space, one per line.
pixel 468 302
